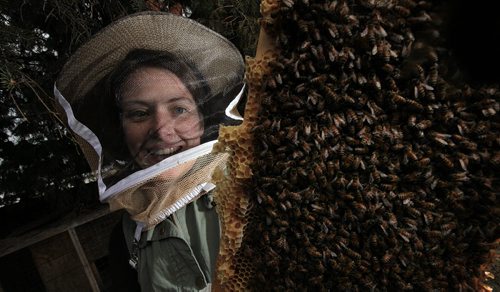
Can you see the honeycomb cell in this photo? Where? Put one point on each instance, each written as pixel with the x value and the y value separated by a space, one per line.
pixel 364 161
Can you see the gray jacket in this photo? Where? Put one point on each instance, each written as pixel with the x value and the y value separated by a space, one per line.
pixel 179 253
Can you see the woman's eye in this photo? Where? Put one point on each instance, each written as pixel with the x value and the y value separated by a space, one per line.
pixel 136 115
pixel 180 110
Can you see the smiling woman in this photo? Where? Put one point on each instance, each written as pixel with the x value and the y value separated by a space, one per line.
pixel 159 114
pixel 145 97
pixel 158 120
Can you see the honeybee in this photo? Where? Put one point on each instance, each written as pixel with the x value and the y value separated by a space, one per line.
pixel 460 177
pixel 414 105
pixel 398 99
pixel 295 212
pixel 297 154
pixel 311 176
pixel 423 162
pixel 282 243
pixel 355 184
pixel 413 212
pixel 351 116
pixel 434 234
pixel 401 10
pixel 495 160
pixel 440 138
pixel 292 135
pixel 303 25
pixel 282 206
pixel 332 29
pixel 316 34
pixel 288 3
pixel 374 241
pixel 332 166
pixel 392 178
pixel 374 176
pixel 288 282
pixel 352 254
pixel 431 96
pixel 469 145
pixel 446 161
pixel 330 93
pixel 305 46
pixel 424 124
pixel 488 112
pixel 411 223
pixel 311 67
pixel 292 176
pixel 313 251
pixel 274 140
pixel 305 146
pixel 294 196
pixel 374 108
pixel 388 187
pixel 410 154
pixel 319 80
pixel 432 78
pixel 420 72
pixel 318 168
pixel 387 258
pixel 369 33
pixel 448 227
pixel 428 218
pixel 405 235
pixel 346 30
pixel 339 120
pixel 388 68
pixel 406 195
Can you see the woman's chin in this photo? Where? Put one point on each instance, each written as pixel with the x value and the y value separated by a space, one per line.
pixel 177 171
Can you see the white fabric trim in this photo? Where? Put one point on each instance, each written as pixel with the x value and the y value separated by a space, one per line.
pixel 152 171
pixel 208 187
pixel 232 109
pixel 84 132
pixel 186 199
pixel 139 176
pixel 138 230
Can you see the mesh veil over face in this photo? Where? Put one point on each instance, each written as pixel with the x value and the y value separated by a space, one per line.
pixel 145 97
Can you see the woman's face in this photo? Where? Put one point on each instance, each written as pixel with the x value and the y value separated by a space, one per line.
pixel 159 116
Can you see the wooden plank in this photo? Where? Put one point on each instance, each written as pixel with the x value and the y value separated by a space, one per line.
pixel 83 259
pixel 95 271
pixel 57 263
pixel 72 280
pixel 13 244
pixel 95 235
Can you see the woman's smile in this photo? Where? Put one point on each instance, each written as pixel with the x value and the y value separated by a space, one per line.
pixel 165 151
pixel 160 117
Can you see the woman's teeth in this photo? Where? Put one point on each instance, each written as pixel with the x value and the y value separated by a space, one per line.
pixel 165 151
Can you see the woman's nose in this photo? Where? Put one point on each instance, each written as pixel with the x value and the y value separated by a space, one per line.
pixel 164 124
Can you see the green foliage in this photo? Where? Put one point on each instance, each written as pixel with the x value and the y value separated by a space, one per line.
pixel 238 21
pixel 41 169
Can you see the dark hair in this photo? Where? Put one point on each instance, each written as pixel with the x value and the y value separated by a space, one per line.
pixel 141 58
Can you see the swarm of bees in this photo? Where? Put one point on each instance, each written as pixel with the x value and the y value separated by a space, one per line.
pixel 365 162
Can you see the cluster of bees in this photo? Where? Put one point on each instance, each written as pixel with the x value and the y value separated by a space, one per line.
pixel 374 166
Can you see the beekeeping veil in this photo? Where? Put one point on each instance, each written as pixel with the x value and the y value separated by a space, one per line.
pixel 145 97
